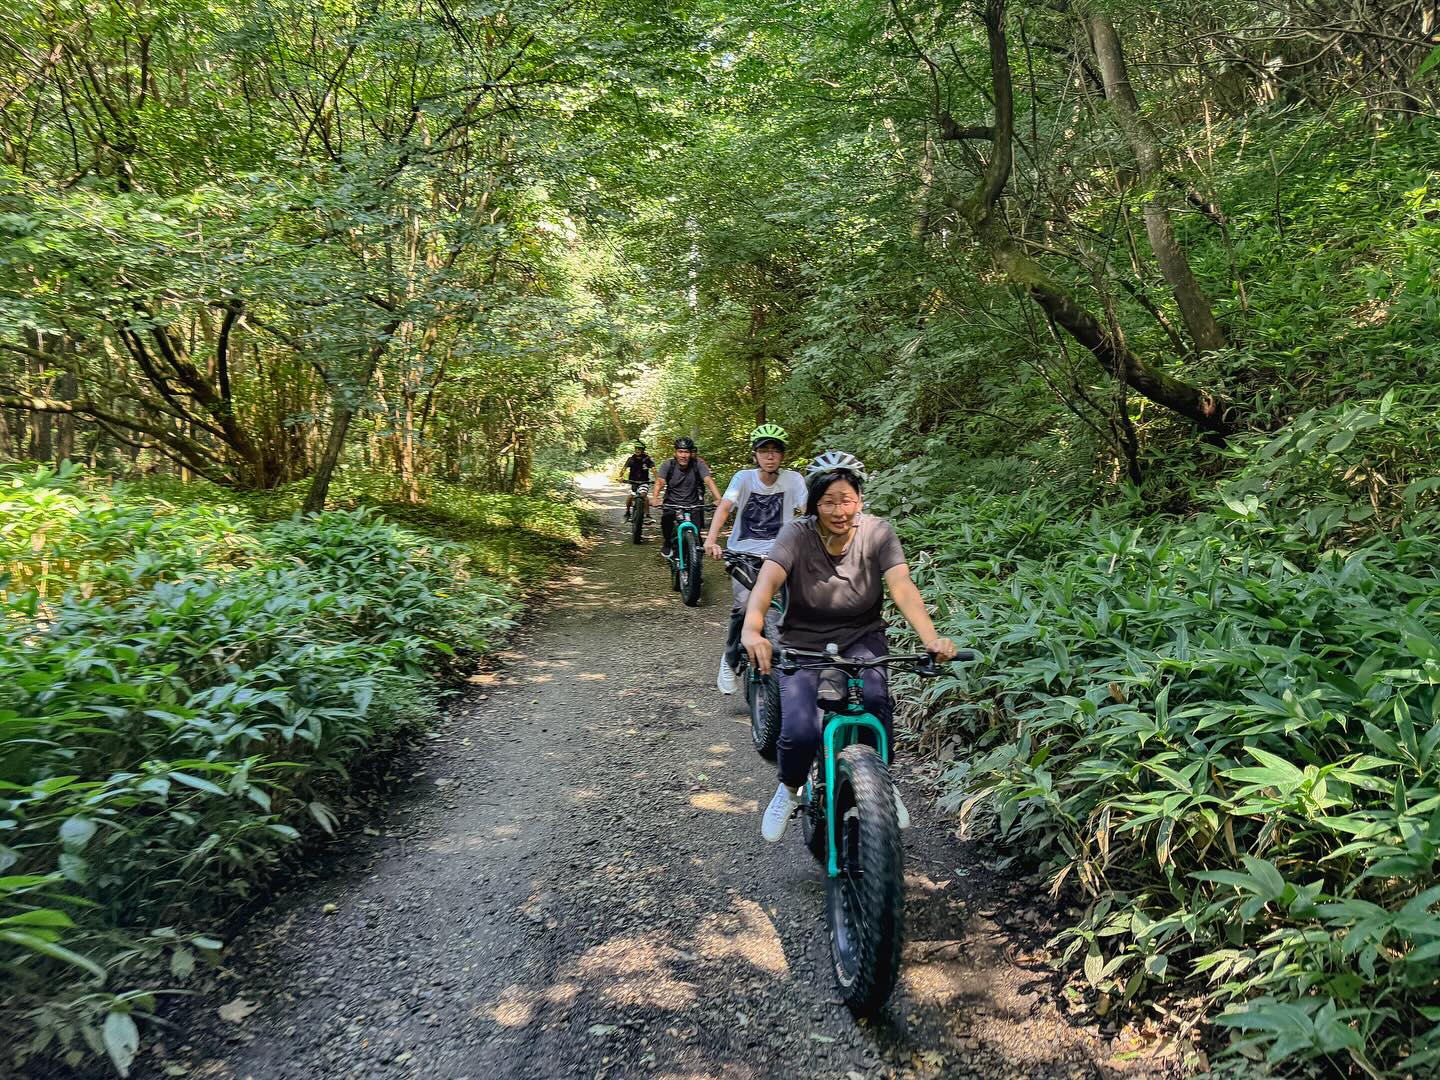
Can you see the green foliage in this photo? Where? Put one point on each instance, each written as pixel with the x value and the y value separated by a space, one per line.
pixel 181 696
pixel 517 539
pixel 1225 733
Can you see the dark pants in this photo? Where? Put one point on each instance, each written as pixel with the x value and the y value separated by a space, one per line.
pixel 667 524
pixel 737 623
pixel 800 717
pixel 733 649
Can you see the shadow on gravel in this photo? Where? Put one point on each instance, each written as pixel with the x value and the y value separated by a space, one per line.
pixel 574 886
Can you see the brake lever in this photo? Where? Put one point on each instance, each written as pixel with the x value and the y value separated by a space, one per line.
pixel 930 669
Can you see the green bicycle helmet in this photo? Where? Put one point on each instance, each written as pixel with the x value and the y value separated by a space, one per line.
pixel 769 433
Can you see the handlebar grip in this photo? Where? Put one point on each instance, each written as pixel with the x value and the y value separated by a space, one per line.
pixel 929 668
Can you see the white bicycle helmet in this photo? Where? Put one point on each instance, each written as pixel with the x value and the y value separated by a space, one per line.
pixel 835 461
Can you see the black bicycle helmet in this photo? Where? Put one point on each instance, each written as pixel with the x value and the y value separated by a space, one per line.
pixel 684 442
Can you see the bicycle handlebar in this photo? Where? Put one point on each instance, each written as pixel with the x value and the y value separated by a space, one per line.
pixel 743 567
pixel 923 664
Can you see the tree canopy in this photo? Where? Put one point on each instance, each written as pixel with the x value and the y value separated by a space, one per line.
pixel 1146 266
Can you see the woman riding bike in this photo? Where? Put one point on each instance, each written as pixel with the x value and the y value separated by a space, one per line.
pixel 836 561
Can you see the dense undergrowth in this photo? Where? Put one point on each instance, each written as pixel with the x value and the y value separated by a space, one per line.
pixel 1223 733
pixel 184 691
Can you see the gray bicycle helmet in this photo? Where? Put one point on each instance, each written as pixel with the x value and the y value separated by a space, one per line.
pixel 835 461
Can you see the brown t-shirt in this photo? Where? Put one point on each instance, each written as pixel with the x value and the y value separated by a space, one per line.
pixel 834 598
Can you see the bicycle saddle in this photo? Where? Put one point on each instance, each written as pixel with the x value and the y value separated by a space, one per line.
pixel 832 693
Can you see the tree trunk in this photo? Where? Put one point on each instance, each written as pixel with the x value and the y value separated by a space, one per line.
pixel 978 211
pixel 524 463
pixel 756 365
pixel 340 425
pixel 65 422
pixel 409 446
pixel 40 428
pixel 320 483
pixel 1194 307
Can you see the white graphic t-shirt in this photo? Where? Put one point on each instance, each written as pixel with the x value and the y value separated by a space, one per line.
pixel 760 511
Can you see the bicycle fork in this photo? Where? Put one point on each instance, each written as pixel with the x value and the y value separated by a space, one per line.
pixel 842 730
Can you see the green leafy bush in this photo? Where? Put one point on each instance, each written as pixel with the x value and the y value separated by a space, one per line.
pixel 1225 734
pixel 517 539
pixel 181 692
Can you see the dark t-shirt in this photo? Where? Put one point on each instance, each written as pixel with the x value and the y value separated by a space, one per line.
pixel 639 466
pixel 684 487
pixel 834 598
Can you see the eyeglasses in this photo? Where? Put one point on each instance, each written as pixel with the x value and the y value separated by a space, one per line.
pixel 830 506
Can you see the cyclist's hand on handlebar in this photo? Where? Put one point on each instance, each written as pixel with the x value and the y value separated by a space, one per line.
pixel 759 649
pixel 942 649
pixel 714 551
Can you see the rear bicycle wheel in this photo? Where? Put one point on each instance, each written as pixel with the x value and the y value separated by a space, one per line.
pixel 689 553
pixel 762 694
pixel 742 678
pixel 865 901
pixel 812 814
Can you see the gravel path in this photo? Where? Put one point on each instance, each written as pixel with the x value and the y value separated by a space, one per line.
pixel 573 885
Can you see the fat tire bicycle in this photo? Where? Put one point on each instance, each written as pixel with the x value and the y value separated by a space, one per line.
pixel 849 822
pixel 687 553
pixel 639 511
pixel 762 692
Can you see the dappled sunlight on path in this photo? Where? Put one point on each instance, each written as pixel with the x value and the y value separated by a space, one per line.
pixel 574 885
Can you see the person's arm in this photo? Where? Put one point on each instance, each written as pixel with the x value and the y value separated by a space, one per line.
pixel 912 605
pixel 752 634
pixel 712 535
pixel 714 491
pixel 659 489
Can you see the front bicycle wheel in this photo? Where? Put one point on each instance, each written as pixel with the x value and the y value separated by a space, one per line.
pixel 865 901
pixel 689 553
pixel 637 520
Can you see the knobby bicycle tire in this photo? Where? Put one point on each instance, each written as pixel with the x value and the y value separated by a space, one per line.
pixel 763 698
pixel 637 521
pixel 690 576
pixel 865 902
pixel 812 815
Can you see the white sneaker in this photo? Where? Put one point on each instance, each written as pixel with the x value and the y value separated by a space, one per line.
pixel 725 681
pixel 777 814
pixel 902 816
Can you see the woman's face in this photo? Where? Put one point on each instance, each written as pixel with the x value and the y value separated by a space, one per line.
pixel 838 507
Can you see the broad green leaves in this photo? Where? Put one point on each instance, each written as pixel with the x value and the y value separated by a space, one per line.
pixel 1227 738
pixel 182 694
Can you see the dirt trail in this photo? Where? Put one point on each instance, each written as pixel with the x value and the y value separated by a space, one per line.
pixel 575 886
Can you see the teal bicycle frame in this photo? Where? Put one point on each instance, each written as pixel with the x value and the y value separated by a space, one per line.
pixel 842 729
pixel 683 523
